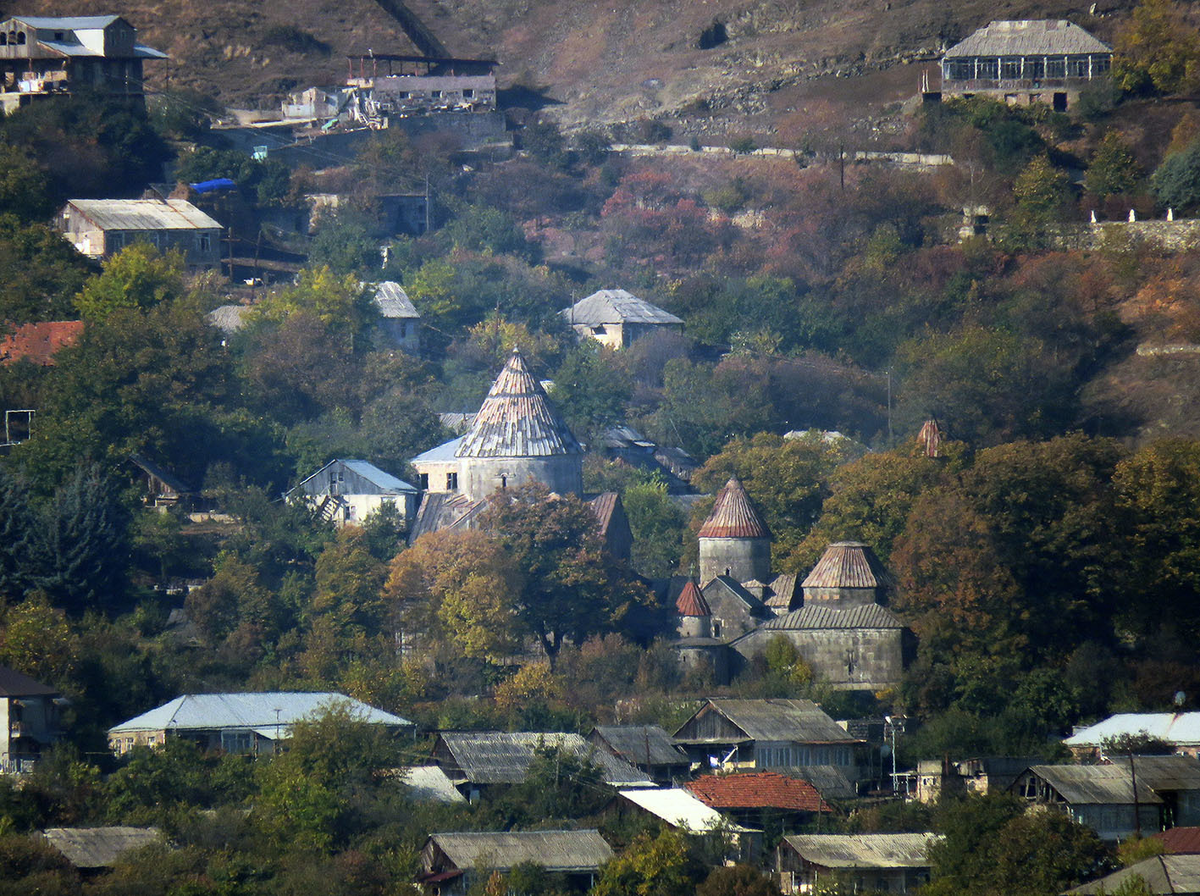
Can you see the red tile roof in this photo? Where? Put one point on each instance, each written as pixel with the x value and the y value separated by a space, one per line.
pixel 38 342
pixel 1180 841
pixel 691 602
pixel 733 516
pixel 757 790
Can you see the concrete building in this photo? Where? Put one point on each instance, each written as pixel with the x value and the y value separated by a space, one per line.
pixel 1028 61
pixel 516 437
pixel 47 56
pixel 411 86
pixel 28 720
pixel 99 228
pixel 615 318
pixel 401 320
pixel 734 540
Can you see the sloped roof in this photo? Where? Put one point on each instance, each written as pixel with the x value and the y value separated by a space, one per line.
pixel 691 602
pixel 99 847
pixel 385 482
pixel 553 850
pixel 249 711
pixel 848 564
pixel 677 807
pixel 67 23
pixel 864 850
pixel 1095 784
pixel 38 342
pixel 228 318
pixel 144 214
pixel 16 684
pixel 641 744
pixel 757 790
pixel 429 784
pixel 1163 773
pixel 1162 875
pixel 444 510
pixel 616 306
pixel 801 721
pixel 1180 841
pixel 169 479
pixel 783 590
pixel 393 302
pixel 729 585
pixel 440 454
pixel 830 781
pixel 1174 728
pixel 604 505
pixel 502 757
pixel 517 419
pixel 1028 37
pixel 812 616
pixel 733 516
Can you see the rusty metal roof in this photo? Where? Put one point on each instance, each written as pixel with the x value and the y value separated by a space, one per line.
pixel 517 419
pixel 1028 37
pixel 733 516
pixel 848 564
pixel 691 602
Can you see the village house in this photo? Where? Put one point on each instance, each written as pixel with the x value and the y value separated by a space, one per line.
pixel 647 748
pixel 44 56
pixel 417 85
pixel 761 800
pixel 1028 61
pixel 1174 779
pixel 38 343
pixel 346 492
pixel 401 321
pixel 100 228
pixel 239 723
pixel 28 719
pixel 1099 796
pixel 615 318
pixel 854 863
pixel 1166 875
pixel 1180 730
pixel 478 760
pixel 453 864
pixel 766 734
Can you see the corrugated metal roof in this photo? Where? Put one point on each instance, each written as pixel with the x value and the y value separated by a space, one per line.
pixel 441 454
pixel 1028 37
pixel 1161 875
pixel 691 602
pixel 429 784
pixel 208 711
pixel 733 516
pixel 553 850
pixel 604 505
pixel 757 790
pixel 517 419
pixel 801 721
pixel 99 847
pixel 616 306
pixel 1104 785
pixel 144 214
pixel 386 482
pixel 67 23
pixel 17 684
pixel 1180 841
pixel 393 302
pixel 814 616
pixel 1163 773
pixel 502 757
pixel 848 564
pixel 1175 728
pixel 829 780
pixel 864 850
pixel 641 744
pixel 72 49
pixel 677 807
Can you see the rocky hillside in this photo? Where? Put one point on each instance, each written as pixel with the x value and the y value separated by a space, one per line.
pixel 735 64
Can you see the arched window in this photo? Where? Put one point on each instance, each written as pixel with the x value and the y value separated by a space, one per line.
pixel 3 39
pixel 20 37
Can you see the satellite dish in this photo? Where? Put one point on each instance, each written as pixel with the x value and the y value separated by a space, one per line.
pixel 1180 698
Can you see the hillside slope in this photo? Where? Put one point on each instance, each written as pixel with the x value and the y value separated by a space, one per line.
pixel 599 62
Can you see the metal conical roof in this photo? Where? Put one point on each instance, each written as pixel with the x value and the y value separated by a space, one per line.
pixel 517 419
pixel 733 516
pixel 691 602
pixel 848 564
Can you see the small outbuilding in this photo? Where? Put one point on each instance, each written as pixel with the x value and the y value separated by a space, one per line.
pixel 401 321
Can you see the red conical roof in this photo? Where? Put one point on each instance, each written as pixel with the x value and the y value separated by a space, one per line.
pixel 733 516
pixel 691 602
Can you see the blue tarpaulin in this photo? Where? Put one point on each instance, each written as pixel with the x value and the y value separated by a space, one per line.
pixel 208 186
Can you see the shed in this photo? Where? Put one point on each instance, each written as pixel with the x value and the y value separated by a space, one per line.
pixel 92 848
pixel 452 862
pixel 162 488
pixel 645 747
pixel 1178 875
pixel 895 863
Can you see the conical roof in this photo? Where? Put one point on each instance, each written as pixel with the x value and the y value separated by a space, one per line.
pixel 691 602
pixel 848 564
pixel 517 419
pixel 733 516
